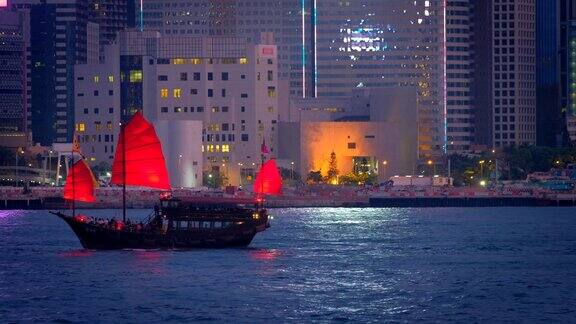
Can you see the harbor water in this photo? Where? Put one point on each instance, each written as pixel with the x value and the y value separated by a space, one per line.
pixel 322 264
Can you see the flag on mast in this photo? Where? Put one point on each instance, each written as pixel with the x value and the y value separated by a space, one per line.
pixel 263 148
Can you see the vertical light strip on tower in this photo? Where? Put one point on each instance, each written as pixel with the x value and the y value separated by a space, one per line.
pixel 444 85
pixel 303 50
pixel 141 15
pixel 315 51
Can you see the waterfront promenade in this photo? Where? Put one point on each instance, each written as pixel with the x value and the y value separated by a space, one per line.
pixel 303 196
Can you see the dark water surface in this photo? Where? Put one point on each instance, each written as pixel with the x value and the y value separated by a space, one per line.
pixel 357 265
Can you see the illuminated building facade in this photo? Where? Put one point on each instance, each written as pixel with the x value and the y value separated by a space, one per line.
pixel 568 65
pixel 327 48
pixel 371 130
pixel 227 84
pixel 505 73
pixel 13 89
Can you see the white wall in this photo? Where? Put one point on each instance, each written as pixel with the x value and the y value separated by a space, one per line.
pixel 182 147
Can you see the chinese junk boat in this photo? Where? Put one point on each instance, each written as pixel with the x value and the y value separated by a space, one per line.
pixel 174 223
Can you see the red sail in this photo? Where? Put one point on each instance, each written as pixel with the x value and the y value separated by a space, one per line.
pixel 268 180
pixel 145 164
pixel 80 183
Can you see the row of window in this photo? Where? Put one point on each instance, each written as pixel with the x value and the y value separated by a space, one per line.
pixel 97 110
pixel 224 148
pixel 186 225
pixel 177 93
pixel 81 127
pixel 97 93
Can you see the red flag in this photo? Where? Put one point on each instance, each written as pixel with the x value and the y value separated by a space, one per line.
pixel 76 145
pixel 264 148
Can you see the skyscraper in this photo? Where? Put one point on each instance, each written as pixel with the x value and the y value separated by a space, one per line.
pixel 111 17
pixel 460 75
pixel 13 89
pixel 57 41
pixel 568 65
pixel 548 110
pixel 505 72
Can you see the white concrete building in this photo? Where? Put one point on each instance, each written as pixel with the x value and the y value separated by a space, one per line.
pixel 97 102
pixel 224 82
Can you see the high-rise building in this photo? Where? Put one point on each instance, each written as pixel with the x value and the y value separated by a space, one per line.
pixel 568 65
pixel 460 75
pixel 225 83
pixel 13 89
pixel 328 48
pixel 57 42
pixel 111 16
pixel 505 87
pixel 549 126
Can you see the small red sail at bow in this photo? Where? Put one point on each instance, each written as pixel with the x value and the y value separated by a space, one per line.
pixel 268 180
pixel 145 164
pixel 80 183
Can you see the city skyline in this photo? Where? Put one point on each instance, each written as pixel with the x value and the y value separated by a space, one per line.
pixel 475 90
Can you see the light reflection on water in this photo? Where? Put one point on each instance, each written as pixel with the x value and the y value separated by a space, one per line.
pixel 316 264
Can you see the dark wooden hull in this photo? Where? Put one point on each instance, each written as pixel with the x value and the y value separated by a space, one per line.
pixel 97 237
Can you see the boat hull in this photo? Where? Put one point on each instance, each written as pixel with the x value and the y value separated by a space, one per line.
pixel 93 236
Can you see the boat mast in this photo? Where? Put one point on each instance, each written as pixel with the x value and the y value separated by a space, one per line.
pixel 73 186
pixel 261 204
pixel 123 172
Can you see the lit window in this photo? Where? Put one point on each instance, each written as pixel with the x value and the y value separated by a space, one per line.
pixel 164 93
pixel 196 61
pixel 110 78
pixel 109 125
pixel 271 92
pixel 270 109
pixel 243 60
pixel 177 92
pixel 178 61
pixel 225 148
pixel 202 148
pixel 81 127
pixel 96 79
pixel 217 148
pixel 135 76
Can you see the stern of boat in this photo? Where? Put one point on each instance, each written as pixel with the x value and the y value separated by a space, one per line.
pixel 261 220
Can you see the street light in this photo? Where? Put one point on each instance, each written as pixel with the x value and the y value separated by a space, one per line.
pixel 430 162
pixel 481 162
pixel 385 163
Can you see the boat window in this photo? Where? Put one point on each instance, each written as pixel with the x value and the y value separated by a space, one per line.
pixel 217 224
pixel 195 224
pixel 206 224
pixel 225 224
pixel 183 225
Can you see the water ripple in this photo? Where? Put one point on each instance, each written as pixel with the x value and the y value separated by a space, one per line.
pixel 316 264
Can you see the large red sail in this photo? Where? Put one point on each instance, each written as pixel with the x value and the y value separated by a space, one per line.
pixel 268 180
pixel 145 164
pixel 80 183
